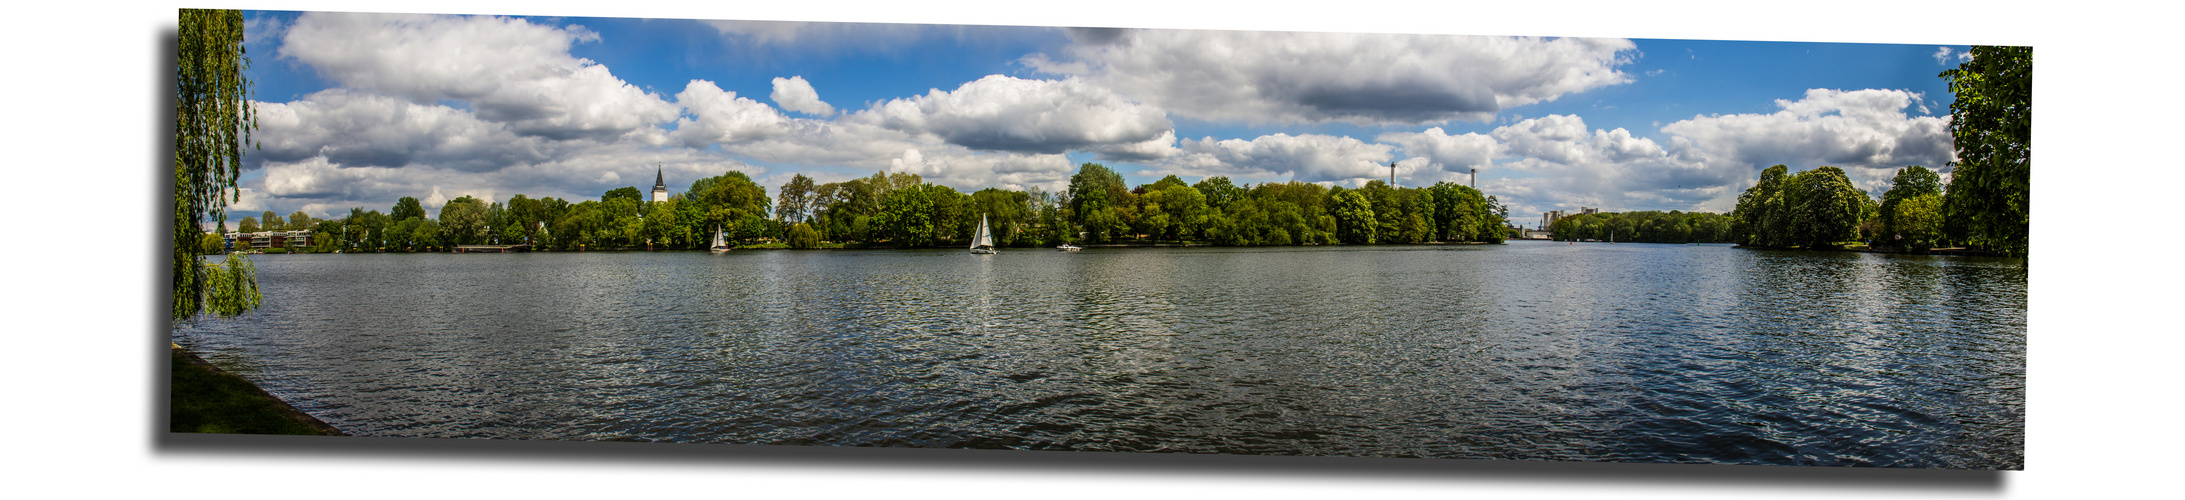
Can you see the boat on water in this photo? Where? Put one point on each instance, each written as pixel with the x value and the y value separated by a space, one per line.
pixel 983 243
pixel 720 242
pixel 1066 247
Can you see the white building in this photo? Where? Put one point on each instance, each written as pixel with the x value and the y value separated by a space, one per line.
pixel 659 186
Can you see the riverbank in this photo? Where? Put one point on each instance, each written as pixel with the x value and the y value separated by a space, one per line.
pixel 202 398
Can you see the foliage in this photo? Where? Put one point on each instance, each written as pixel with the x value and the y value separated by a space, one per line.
pixel 796 200
pixel 802 236
pixel 1910 182
pixel 1354 219
pixel 1095 192
pixel 464 221
pixel 213 123
pixel 405 209
pixel 1816 208
pixel 1918 222
pixel 1825 208
pixel 626 192
pixel 1991 120
pixel 1645 227
pixel 248 225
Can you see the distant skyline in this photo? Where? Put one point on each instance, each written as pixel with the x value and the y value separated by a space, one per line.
pixel 357 110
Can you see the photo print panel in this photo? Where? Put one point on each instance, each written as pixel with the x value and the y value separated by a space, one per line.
pixel 1104 239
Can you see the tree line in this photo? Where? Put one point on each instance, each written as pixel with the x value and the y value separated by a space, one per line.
pixel 1984 205
pixel 1645 227
pixel 901 210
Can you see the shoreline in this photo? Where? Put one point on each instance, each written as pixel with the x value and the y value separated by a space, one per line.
pixel 280 408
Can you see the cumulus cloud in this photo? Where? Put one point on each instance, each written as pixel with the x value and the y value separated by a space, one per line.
pixel 1308 158
pixel 361 129
pixel 1441 151
pixel 1283 77
pixel 977 171
pixel 1858 129
pixel 508 70
pixel 797 95
pixel 1001 113
pixel 720 116
pixel 574 174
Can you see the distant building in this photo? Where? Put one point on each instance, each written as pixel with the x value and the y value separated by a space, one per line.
pixel 267 239
pixel 659 186
pixel 1547 220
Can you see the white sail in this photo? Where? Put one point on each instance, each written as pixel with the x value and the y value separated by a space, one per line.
pixel 985 238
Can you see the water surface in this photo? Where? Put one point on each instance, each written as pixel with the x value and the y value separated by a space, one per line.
pixel 1530 350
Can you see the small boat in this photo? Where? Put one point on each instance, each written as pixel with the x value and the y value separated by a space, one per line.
pixel 983 243
pixel 1066 247
pixel 720 242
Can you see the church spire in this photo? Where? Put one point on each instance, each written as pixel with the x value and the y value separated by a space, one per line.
pixel 659 185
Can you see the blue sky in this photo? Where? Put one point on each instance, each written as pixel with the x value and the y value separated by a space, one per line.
pixel 358 110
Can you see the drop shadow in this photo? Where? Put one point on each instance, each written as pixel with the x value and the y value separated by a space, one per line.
pixel 851 460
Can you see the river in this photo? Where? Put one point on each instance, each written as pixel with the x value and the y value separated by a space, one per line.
pixel 1528 350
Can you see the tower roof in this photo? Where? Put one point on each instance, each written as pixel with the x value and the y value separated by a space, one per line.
pixel 659 180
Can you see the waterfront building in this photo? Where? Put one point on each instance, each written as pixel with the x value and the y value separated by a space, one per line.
pixel 267 239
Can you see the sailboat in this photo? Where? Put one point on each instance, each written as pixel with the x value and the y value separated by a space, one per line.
pixel 720 243
pixel 984 241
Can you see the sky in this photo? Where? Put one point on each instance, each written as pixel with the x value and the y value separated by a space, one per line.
pixel 358 110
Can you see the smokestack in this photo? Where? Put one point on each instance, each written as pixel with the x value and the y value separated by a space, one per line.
pixel 1475 179
pixel 1392 174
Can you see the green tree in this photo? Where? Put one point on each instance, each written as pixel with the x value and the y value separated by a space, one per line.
pixel 212 243
pixel 626 192
pixel 1094 193
pixel 405 209
pixel 1918 222
pixel 271 222
pixel 906 217
pixel 1910 182
pixel 463 220
pixel 803 236
pixel 1760 217
pixel 1991 120
pixel 796 200
pixel 1825 207
pixel 300 221
pixel 213 123
pixel 1219 192
pixel 248 225
pixel 1355 221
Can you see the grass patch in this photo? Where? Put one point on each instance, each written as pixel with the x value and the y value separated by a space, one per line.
pixel 204 399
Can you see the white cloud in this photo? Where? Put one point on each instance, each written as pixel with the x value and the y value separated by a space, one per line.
pixel 720 116
pixel 797 95
pixel 1944 55
pixel 1859 129
pixel 508 70
pixel 971 172
pixel 361 129
pixel 1001 113
pixel 1441 151
pixel 1308 158
pixel 1282 77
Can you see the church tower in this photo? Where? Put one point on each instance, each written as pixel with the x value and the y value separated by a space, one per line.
pixel 659 186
